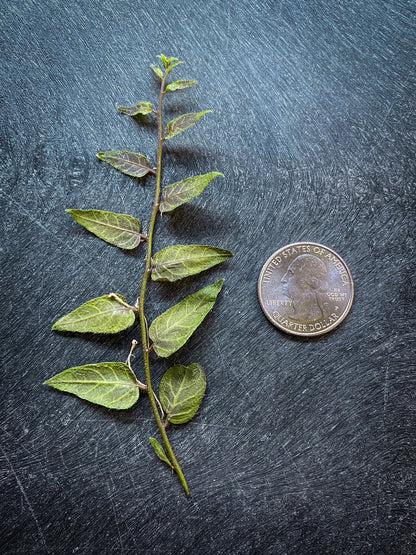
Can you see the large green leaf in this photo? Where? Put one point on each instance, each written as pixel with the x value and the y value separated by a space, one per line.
pixel 101 315
pixel 140 108
pixel 180 392
pixel 160 452
pixel 180 261
pixel 117 229
pixel 110 384
pixel 178 85
pixel 183 122
pixel 182 191
pixel 173 328
pixel 130 163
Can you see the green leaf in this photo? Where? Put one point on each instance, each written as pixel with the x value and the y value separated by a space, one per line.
pixel 180 261
pixel 110 384
pixel 172 66
pixel 160 452
pixel 166 61
pixel 183 122
pixel 173 328
pixel 117 229
pixel 178 193
pixel 181 391
pixel 130 163
pixel 101 315
pixel 158 71
pixel 177 85
pixel 140 108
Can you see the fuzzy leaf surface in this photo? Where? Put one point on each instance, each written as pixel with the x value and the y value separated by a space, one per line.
pixel 130 163
pixel 117 229
pixel 181 391
pixel 183 122
pixel 140 108
pixel 160 452
pixel 183 191
pixel 158 71
pixel 180 261
pixel 101 315
pixel 173 328
pixel 110 384
pixel 178 85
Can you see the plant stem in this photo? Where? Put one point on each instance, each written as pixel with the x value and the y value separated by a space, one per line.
pixel 147 271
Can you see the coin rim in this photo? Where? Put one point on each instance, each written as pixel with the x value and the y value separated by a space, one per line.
pixel 306 334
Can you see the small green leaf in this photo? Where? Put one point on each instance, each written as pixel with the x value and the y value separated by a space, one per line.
pixel 158 71
pixel 130 163
pixel 172 66
pixel 110 384
pixel 180 261
pixel 101 315
pixel 117 229
pixel 181 391
pixel 140 108
pixel 177 85
pixel 183 122
pixel 178 193
pixel 166 61
pixel 173 328
pixel 160 452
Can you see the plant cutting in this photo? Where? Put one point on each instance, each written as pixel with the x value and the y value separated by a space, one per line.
pixel 114 384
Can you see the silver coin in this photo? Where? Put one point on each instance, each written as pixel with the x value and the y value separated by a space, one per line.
pixel 305 289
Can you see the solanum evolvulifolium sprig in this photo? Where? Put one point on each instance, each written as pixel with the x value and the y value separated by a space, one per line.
pixel 114 384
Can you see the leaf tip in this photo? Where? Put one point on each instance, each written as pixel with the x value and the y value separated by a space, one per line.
pixel 57 326
pixel 219 283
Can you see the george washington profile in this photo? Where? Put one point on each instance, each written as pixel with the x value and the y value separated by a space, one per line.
pixel 306 283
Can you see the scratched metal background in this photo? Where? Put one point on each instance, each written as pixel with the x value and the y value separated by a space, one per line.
pixel 300 447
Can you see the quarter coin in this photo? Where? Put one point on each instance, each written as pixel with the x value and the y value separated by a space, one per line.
pixel 305 289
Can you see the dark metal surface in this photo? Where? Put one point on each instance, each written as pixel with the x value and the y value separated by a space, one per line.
pixel 300 446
